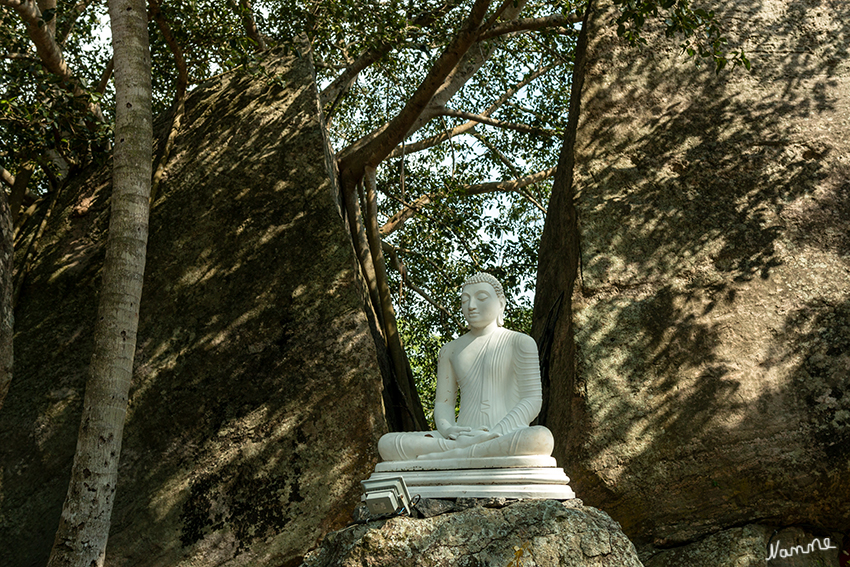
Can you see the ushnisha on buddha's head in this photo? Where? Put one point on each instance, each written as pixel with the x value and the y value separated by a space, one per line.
pixel 483 301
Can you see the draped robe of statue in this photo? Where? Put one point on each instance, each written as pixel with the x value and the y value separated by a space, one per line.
pixel 490 449
pixel 500 392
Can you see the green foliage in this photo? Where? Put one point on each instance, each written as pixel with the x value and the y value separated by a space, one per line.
pixel 459 232
pixel 38 113
pixel 698 27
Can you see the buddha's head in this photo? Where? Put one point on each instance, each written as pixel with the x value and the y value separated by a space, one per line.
pixel 483 300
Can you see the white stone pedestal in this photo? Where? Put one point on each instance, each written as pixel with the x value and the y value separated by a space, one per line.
pixel 505 477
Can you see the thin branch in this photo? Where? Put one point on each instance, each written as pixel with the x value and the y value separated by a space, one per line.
pixel 70 20
pixel 246 12
pixel 530 24
pixel 179 96
pixel 437 139
pixel 105 76
pixel 407 212
pixel 20 56
pixel 340 85
pixel 498 153
pixel 480 118
pixel 398 265
pixel 513 185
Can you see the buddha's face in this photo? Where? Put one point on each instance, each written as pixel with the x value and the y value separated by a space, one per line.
pixel 481 306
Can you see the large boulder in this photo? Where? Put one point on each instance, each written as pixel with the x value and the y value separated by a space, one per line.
pixel 529 532
pixel 256 401
pixel 693 302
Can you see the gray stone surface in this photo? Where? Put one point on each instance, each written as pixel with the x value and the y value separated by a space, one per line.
pixel 750 545
pixel 256 401
pixel 706 221
pixel 528 533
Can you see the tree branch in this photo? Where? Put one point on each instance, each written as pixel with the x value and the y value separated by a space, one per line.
pixel 20 56
pixel 19 189
pixel 49 7
pixel 105 76
pixel 513 185
pixel 179 96
pixel 333 92
pixel 398 265
pixel 529 24
pixel 45 43
pixel 498 153
pixel 6 177
pixel 48 50
pixel 70 20
pixel 407 212
pixel 246 12
pixel 410 210
pixel 480 118
pixel 432 141
pixel 373 148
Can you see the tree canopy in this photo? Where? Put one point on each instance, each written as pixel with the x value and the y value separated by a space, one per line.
pixel 446 116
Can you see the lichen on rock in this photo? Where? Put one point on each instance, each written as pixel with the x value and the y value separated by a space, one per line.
pixel 525 533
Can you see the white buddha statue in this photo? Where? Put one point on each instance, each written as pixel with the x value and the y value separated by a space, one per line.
pixel 498 374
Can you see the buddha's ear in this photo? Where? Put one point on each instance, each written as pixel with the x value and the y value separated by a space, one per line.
pixel 500 318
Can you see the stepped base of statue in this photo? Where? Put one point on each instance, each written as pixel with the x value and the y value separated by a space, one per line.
pixel 495 477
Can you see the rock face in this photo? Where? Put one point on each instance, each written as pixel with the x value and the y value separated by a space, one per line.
pixel 256 400
pixel 529 532
pixel 751 546
pixel 697 256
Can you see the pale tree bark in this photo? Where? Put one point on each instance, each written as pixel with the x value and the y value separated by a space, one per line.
pixel 84 525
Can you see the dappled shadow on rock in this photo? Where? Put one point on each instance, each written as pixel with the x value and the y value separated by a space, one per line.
pixel 256 399
pixel 711 280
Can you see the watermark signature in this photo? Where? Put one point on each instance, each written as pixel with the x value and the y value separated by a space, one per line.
pixel 775 551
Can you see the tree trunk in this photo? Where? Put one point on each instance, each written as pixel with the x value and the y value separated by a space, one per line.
pixel 84 525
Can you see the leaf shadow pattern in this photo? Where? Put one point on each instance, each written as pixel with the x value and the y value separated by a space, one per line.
pixel 256 398
pixel 709 208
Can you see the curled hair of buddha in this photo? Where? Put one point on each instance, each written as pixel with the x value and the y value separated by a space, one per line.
pixel 484 277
